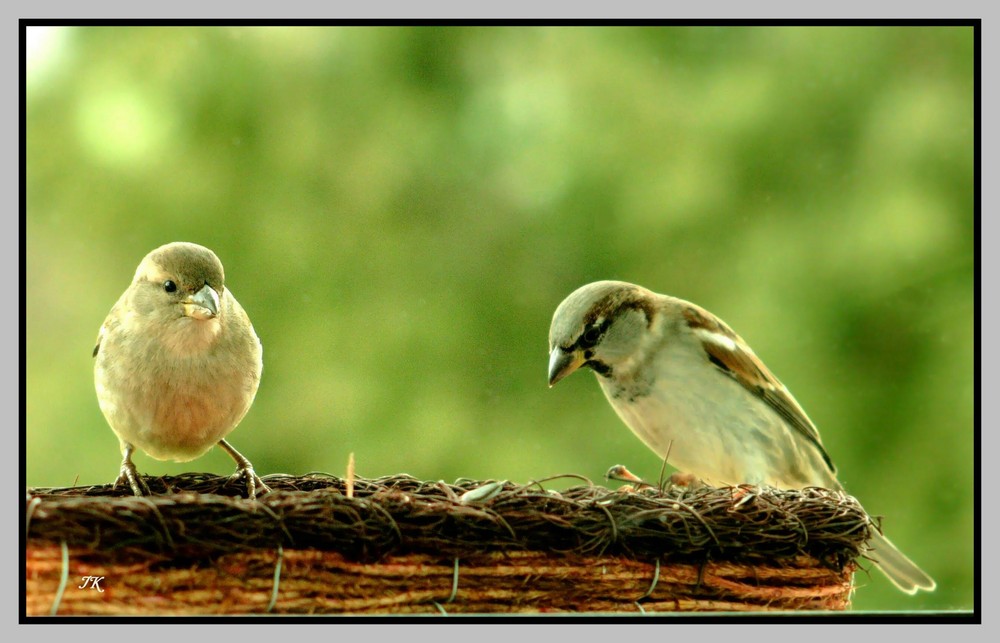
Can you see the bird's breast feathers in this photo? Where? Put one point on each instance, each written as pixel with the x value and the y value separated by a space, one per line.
pixel 690 414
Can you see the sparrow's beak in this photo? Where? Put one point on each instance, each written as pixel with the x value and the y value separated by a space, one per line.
pixel 562 364
pixel 204 304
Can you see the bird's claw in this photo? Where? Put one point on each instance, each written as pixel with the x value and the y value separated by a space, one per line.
pixel 130 475
pixel 254 484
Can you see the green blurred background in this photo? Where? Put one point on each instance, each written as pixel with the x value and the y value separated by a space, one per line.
pixel 400 210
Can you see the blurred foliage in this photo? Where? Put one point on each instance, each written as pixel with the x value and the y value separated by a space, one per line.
pixel 400 210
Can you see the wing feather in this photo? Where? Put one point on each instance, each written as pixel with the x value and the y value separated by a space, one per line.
pixel 732 356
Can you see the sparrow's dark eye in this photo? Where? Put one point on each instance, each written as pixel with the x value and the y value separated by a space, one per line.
pixel 590 337
pixel 169 286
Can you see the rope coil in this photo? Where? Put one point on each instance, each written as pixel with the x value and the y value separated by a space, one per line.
pixel 704 548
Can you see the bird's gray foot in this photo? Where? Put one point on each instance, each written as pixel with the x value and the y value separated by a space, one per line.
pixel 129 474
pixel 244 471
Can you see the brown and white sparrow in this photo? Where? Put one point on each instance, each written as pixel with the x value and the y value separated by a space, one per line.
pixel 690 387
pixel 177 363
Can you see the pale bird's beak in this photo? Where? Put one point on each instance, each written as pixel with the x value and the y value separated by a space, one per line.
pixel 562 364
pixel 204 304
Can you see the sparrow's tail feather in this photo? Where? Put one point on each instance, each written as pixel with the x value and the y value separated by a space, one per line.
pixel 902 571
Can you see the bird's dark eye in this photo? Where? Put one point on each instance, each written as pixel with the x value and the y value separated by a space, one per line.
pixel 169 286
pixel 590 337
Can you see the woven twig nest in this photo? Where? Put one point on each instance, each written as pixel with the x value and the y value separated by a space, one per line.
pixel 402 545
